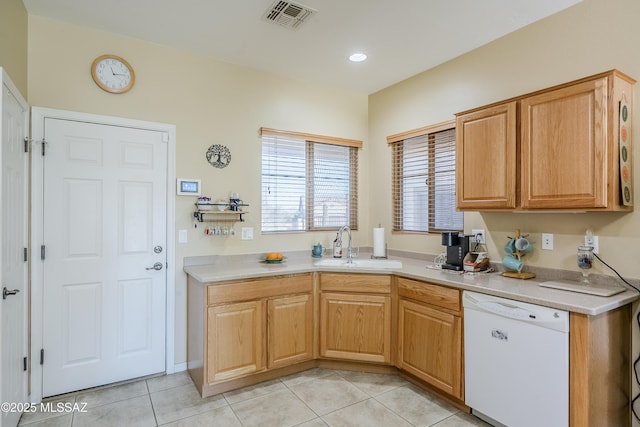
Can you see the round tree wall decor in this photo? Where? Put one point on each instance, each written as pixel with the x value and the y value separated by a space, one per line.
pixel 219 156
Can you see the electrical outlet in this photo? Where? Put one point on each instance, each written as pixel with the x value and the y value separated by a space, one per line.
pixel 593 241
pixel 547 241
pixel 478 236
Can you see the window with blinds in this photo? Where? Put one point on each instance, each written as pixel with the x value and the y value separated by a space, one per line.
pixel 424 180
pixel 308 185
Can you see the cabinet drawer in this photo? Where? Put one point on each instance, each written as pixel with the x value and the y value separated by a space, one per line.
pixel 429 293
pixel 248 290
pixel 372 283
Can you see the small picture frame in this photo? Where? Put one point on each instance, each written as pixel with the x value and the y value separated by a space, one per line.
pixel 189 187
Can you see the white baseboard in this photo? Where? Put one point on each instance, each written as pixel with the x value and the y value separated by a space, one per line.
pixel 179 367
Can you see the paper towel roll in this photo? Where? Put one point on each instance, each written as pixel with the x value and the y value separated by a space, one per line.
pixel 378 243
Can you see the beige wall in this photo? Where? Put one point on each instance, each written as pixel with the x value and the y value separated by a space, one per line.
pixel 13 42
pixel 210 102
pixel 215 102
pixel 591 37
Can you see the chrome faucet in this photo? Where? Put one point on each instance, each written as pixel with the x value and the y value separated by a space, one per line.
pixel 349 253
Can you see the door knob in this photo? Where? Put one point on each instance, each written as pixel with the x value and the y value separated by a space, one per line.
pixel 6 292
pixel 156 266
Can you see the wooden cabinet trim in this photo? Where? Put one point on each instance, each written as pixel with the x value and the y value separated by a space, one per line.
pixel 348 282
pixel 599 348
pixel 438 295
pixel 614 72
pixel 249 290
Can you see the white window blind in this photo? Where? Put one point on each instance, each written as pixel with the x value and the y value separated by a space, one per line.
pixel 307 185
pixel 424 181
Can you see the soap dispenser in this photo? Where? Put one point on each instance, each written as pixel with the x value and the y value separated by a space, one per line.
pixel 337 246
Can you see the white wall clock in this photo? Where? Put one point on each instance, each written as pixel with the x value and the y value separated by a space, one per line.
pixel 113 74
pixel 219 156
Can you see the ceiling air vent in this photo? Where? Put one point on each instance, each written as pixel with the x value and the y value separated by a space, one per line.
pixel 287 14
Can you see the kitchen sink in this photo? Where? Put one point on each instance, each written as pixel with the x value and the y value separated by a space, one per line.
pixel 359 263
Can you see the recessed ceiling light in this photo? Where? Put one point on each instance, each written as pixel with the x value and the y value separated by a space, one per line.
pixel 357 57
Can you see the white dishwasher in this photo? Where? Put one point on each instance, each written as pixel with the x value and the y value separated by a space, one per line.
pixel 516 362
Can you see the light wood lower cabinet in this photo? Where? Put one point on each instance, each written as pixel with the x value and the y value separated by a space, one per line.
pixel 290 321
pixel 235 340
pixel 355 317
pixel 243 332
pixel 355 327
pixel 430 334
pixel 242 328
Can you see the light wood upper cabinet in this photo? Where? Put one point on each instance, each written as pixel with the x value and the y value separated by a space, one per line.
pixel 565 149
pixel 486 152
pixel 569 150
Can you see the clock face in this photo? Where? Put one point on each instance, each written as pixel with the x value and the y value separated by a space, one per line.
pixel 218 155
pixel 112 74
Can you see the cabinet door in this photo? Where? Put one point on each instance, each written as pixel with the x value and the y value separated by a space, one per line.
pixel 486 158
pixel 430 346
pixel 290 330
pixel 235 340
pixel 355 327
pixel 564 147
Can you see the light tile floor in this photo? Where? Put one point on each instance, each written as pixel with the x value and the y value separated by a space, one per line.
pixel 314 398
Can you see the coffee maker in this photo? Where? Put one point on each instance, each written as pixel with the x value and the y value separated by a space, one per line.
pixel 457 247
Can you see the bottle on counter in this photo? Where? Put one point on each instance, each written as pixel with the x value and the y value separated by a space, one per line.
pixel 337 247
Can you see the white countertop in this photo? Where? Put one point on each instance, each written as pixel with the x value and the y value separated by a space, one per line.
pixel 222 269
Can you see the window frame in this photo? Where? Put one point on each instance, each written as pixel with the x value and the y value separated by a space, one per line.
pixel 310 142
pixel 396 142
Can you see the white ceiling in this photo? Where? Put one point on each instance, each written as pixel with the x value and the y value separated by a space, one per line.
pixel 401 37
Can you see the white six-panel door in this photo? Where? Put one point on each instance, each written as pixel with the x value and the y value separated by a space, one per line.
pixel 14 240
pixel 104 227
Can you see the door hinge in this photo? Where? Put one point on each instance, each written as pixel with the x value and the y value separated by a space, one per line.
pixel 24 363
pixel 42 249
pixel 26 145
pixel 26 254
pixel 44 144
pixel 42 356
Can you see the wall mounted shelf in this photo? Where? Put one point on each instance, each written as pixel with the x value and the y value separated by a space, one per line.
pixel 211 212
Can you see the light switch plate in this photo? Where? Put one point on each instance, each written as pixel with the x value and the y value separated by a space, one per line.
pixel 247 233
pixel 182 236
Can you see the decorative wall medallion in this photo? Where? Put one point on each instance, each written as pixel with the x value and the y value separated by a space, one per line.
pixel 624 138
pixel 219 156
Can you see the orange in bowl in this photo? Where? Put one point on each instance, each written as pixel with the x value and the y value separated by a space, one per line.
pixel 274 256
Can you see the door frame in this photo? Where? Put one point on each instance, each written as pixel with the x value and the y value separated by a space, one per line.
pixel 5 80
pixel 38 116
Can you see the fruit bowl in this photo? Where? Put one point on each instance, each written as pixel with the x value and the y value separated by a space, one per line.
pixel 273 258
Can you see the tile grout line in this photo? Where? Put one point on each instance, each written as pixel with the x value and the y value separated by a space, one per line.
pixel 153 408
pixel 232 410
pixel 302 401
